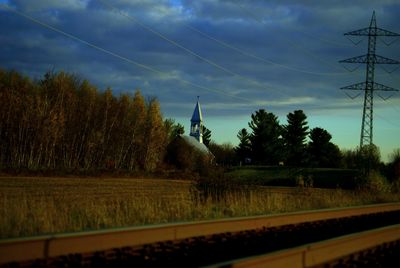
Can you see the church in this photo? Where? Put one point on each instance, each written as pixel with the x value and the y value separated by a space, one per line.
pixel 188 152
pixel 195 138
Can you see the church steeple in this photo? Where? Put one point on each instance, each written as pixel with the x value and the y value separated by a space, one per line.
pixel 196 123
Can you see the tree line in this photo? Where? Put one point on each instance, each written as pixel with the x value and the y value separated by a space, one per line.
pixel 270 143
pixel 295 144
pixel 62 122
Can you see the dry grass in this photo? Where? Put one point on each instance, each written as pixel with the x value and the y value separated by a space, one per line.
pixel 33 206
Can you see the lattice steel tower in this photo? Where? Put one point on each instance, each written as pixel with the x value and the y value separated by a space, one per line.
pixel 369 86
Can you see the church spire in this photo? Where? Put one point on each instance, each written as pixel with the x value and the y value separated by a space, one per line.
pixel 196 123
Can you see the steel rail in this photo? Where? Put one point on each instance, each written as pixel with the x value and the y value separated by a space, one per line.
pixel 319 253
pixel 25 249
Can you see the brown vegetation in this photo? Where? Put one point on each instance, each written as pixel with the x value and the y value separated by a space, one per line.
pixel 32 206
pixel 62 123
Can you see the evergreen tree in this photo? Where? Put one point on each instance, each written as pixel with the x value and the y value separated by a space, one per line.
pixel 322 152
pixel 206 136
pixel 294 135
pixel 173 129
pixel 266 142
pixel 224 153
pixel 243 150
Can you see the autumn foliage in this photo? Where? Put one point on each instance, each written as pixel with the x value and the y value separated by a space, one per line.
pixel 64 123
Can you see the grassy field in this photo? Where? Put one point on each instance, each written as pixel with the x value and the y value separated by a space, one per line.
pixel 289 176
pixel 34 206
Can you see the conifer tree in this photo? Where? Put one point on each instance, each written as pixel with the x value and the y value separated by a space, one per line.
pixel 173 129
pixel 322 152
pixel 294 136
pixel 243 150
pixel 266 142
pixel 206 136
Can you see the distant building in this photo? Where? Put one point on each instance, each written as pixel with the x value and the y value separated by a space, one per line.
pixel 196 123
pixel 182 147
pixel 193 142
pixel 195 138
pixel 196 130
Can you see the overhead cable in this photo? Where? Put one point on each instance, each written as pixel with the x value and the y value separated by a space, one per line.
pixel 165 38
pixel 245 53
pixel 140 65
pixel 296 45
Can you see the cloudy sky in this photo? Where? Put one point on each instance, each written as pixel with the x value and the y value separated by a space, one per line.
pixel 238 56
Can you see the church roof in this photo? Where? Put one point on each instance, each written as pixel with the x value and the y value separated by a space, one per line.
pixel 197 116
pixel 192 141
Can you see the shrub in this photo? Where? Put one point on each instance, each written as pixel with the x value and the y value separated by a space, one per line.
pixel 179 154
pixel 395 186
pixel 185 157
pixel 215 186
pixel 393 168
pixel 374 182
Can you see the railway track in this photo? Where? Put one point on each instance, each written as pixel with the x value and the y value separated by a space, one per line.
pixel 374 248
pixel 211 242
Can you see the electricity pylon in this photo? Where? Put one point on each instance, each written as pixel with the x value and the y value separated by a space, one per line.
pixel 369 86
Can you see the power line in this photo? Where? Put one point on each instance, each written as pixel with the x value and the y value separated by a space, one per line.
pixel 224 44
pixel 387 121
pixel 353 97
pixel 140 65
pixel 326 40
pixel 245 53
pixel 393 107
pixel 160 35
pixel 254 16
pixel 293 44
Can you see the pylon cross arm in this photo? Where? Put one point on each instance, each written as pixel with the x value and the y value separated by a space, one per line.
pixel 358 59
pixel 358 86
pixel 381 87
pixel 364 59
pixel 382 60
pixel 373 32
pixel 363 86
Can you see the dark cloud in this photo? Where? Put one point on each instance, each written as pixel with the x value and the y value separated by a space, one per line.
pixel 277 54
